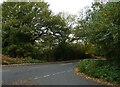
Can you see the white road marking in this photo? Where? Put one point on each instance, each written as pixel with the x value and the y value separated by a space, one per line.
pixel 38 77
pixel 65 64
pixel 46 75
pixel 41 77
pixel 58 73
pixel 35 78
pixel 53 74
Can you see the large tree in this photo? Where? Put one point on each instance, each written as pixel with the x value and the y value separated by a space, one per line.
pixel 102 28
pixel 30 23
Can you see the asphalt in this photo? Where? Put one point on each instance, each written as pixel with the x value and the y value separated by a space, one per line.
pixel 44 74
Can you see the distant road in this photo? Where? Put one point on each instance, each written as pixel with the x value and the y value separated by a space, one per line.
pixel 44 74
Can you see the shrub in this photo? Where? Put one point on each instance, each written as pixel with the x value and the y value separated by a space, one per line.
pixel 22 50
pixel 65 51
pixel 100 69
pixel 31 60
pixel 87 65
pixel 9 60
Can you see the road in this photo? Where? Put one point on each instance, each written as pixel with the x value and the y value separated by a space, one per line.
pixel 43 74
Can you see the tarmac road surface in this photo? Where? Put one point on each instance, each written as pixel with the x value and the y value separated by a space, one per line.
pixel 43 74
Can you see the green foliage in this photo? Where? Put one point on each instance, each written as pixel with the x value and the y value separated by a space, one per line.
pixel 30 29
pixel 100 69
pixel 31 60
pixel 66 51
pixel 19 19
pixel 28 25
pixel 22 50
pixel 101 27
pixel 87 66
pixel 106 35
pixel 13 62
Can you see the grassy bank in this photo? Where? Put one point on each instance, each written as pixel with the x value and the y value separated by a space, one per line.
pixel 100 69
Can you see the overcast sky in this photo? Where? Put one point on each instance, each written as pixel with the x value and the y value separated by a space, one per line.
pixel 70 6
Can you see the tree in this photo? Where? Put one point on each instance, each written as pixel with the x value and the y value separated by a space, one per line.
pixel 18 26
pixel 31 23
pixel 18 21
pixel 103 29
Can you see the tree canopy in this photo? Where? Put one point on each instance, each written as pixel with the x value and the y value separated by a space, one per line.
pixel 29 28
pixel 101 27
pixel 31 23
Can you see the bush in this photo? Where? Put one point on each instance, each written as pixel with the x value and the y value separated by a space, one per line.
pixel 28 50
pixel 86 65
pixel 100 69
pixel 7 60
pixel 13 51
pixel 22 50
pixel 31 60
pixel 48 54
pixel 65 51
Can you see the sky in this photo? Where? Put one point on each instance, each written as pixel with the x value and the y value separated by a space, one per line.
pixel 70 6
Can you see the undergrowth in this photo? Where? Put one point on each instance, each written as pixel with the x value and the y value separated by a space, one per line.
pixel 100 69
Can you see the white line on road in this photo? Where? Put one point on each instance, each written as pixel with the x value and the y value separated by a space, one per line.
pixel 46 75
pixel 53 74
pixel 58 73
pixel 38 77
pixel 41 77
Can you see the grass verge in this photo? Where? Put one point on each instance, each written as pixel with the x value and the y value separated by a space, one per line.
pixel 100 69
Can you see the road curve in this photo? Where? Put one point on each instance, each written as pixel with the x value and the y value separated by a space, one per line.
pixel 43 74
